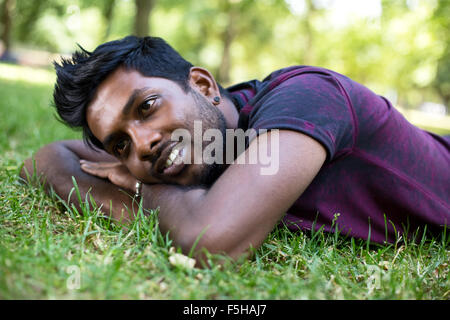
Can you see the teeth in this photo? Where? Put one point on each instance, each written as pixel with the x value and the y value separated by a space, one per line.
pixel 173 155
pixel 178 160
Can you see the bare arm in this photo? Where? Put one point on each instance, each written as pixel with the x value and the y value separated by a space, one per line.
pixel 56 163
pixel 243 205
pixel 236 213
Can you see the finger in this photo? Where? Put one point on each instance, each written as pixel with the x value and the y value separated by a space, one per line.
pixel 92 162
pixel 100 165
pixel 102 173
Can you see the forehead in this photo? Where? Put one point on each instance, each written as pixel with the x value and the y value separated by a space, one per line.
pixel 105 109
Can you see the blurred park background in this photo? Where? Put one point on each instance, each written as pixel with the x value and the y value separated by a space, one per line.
pixel 398 48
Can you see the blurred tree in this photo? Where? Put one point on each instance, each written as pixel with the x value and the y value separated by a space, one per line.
pixel 228 37
pixel 442 81
pixel 106 8
pixel 397 48
pixel 29 14
pixel 6 21
pixel 309 32
pixel 108 13
pixel 141 22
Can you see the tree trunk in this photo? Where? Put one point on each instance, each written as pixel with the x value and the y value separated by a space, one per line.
pixel 30 18
pixel 108 12
pixel 6 34
pixel 141 22
pixel 228 35
pixel 309 34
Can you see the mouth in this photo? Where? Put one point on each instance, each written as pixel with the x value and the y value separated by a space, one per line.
pixel 171 161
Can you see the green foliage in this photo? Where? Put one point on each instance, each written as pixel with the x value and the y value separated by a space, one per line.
pixel 398 48
pixel 442 27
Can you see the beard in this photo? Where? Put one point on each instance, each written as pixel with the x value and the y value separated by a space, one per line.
pixel 211 118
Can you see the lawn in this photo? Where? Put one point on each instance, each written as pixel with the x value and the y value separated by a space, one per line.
pixel 49 251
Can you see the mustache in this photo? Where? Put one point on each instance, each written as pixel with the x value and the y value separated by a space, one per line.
pixel 157 154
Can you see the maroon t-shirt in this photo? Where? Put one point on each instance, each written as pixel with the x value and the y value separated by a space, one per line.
pixel 382 175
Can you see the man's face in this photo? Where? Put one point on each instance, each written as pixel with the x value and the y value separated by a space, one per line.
pixel 134 117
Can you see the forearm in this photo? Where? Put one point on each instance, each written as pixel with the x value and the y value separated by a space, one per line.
pixel 243 205
pixel 189 215
pixel 177 210
pixel 56 164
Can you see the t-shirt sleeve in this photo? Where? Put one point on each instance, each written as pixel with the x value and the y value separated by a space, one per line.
pixel 314 104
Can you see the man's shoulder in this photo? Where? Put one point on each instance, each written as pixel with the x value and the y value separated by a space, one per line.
pixel 283 74
pixel 280 75
pixel 291 77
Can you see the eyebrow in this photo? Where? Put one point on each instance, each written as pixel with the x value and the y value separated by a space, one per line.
pixel 127 107
pixel 125 111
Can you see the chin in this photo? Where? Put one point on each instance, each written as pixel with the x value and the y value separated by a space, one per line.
pixel 206 175
pixel 196 175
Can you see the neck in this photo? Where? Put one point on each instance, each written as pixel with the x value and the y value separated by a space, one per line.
pixel 230 112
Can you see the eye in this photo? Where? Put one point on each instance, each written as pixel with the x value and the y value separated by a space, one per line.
pixel 147 105
pixel 120 147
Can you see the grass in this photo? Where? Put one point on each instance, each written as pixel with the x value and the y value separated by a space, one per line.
pixel 45 245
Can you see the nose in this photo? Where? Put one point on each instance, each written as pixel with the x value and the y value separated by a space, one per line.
pixel 145 142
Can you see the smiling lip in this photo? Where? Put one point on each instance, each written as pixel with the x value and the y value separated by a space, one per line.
pixel 174 168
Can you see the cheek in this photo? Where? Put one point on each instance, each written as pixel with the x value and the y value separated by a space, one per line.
pixel 180 111
pixel 177 119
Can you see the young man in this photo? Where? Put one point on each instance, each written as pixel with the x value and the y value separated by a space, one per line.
pixel 342 154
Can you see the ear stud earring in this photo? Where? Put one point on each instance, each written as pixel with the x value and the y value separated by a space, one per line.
pixel 216 100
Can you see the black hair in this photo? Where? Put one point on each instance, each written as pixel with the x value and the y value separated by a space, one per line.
pixel 78 77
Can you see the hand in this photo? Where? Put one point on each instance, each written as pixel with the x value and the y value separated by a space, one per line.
pixel 115 172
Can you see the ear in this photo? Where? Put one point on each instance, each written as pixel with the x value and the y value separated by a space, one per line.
pixel 202 80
